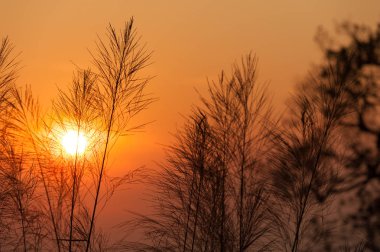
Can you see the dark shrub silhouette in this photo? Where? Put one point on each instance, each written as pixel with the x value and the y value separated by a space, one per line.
pixel 359 64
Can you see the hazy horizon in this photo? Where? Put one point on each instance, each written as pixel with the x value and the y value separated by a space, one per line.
pixel 191 43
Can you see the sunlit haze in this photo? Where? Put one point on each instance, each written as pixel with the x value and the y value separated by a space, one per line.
pixel 74 142
pixel 190 43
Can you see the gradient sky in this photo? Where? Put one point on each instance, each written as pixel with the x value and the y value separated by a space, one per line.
pixel 191 41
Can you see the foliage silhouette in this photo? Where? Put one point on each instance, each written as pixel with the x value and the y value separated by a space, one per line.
pixel 361 177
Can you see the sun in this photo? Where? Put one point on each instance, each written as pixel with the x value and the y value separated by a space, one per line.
pixel 74 142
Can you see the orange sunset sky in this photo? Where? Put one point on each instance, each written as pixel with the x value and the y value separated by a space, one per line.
pixel 191 41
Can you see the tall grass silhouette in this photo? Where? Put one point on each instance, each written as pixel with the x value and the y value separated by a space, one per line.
pixel 57 195
pixel 236 177
pixel 210 194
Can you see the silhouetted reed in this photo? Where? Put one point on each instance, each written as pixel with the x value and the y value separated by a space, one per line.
pixel 210 194
pixel 304 168
pixel 58 194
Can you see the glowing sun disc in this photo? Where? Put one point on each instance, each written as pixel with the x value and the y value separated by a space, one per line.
pixel 74 143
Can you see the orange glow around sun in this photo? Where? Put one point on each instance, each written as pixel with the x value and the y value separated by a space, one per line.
pixel 74 142
pixel 65 140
